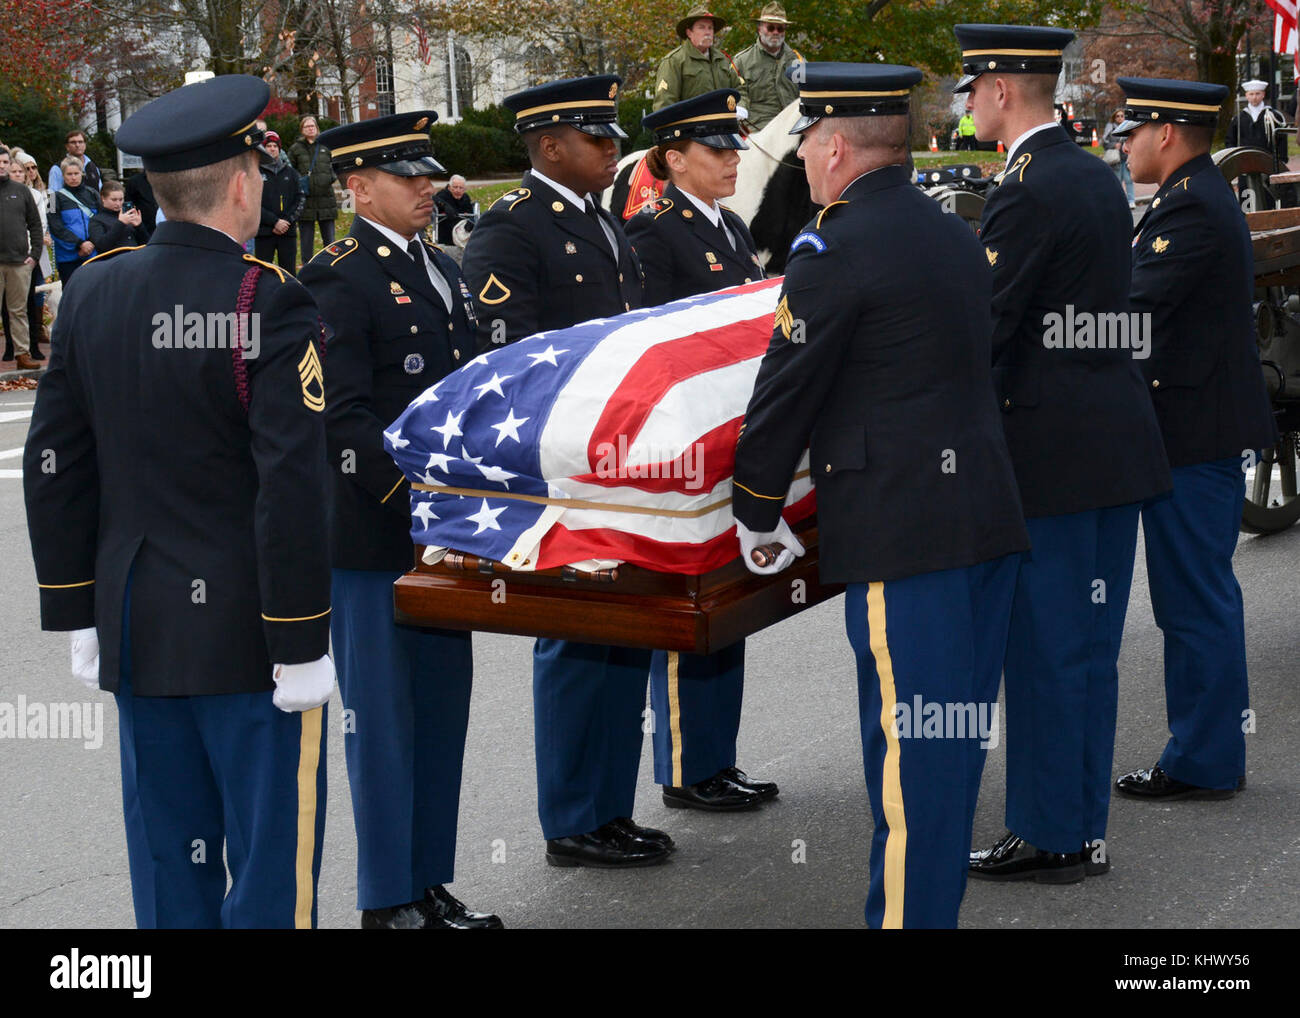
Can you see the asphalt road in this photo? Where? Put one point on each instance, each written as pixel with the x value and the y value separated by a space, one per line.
pixel 1184 865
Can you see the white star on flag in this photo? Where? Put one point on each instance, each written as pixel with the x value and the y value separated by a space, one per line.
pixel 428 396
pixel 425 512
pixel 439 460
pixel 450 428
pixel 395 437
pixel 486 518
pixel 547 356
pixel 464 454
pixel 480 359
pixel 492 386
pixel 509 428
pixel 496 474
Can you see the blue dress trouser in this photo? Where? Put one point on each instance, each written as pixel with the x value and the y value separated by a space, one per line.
pixel 1062 676
pixel 1190 537
pixel 200 772
pixel 929 651
pixel 587 715
pixel 406 695
pixel 696 701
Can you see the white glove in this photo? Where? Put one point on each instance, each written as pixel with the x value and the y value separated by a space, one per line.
pixel 303 686
pixel 742 113
pixel 749 540
pixel 85 657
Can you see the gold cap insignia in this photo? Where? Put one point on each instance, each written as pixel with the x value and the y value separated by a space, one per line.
pixel 310 374
pixel 613 90
pixel 395 287
pixel 710 256
pixel 830 108
pixel 992 256
pixel 557 206
pixel 358 161
pixel 731 103
pixel 570 247
pixel 382 251
pixel 1155 114
pixel 1159 245
pixel 420 124
pixel 248 139
pixel 784 320
pixel 993 65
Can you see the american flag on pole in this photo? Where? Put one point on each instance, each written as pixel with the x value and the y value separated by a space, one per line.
pixel 1285 30
pixel 611 441
pixel 422 41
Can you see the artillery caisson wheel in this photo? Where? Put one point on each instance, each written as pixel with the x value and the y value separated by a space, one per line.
pixel 1271 504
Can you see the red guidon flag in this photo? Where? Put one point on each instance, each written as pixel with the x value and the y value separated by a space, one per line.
pixel 611 441
pixel 643 188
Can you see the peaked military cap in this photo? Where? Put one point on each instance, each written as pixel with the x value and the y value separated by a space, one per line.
pixel 709 119
pixel 1166 100
pixel 398 144
pixel 853 90
pixel 695 14
pixel 197 125
pixel 1009 49
pixel 590 104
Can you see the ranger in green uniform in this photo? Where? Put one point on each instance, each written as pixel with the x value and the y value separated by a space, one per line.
pixel 763 67
pixel 695 67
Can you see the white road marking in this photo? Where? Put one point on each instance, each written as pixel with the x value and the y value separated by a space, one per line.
pixel 16 415
pixel 9 454
pixel 10 474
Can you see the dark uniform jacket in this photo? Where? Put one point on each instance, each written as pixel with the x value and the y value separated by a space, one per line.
pixel 1079 425
pixel 682 253
pixel 535 262
pixel 1194 274
pixel 889 379
pixel 142 462
pixel 392 338
pixel 1255 132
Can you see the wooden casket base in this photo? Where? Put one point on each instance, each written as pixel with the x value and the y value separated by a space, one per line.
pixel 627 607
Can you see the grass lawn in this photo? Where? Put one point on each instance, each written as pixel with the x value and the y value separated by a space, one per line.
pixel 988 162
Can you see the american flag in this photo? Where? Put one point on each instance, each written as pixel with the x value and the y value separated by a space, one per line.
pixel 1284 29
pixel 539 448
pixel 422 41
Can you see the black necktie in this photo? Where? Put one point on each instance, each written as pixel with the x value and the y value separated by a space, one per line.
pixel 413 249
pixel 594 216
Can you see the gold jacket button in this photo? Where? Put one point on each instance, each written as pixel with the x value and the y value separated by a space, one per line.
pixel 828 468
pixel 620 277
pixel 451 326
pixel 1155 384
pixel 1155 204
pixel 578 278
pixel 747 279
pixel 627 306
pixel 456 354
pixel 1006 404
pixel 414 329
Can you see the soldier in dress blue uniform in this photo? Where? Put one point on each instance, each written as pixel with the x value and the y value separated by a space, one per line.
pixel 886 382
pixel 547 256
pixel 401 318
pixel 1084 441
pixel 176 487
pixel 688 243
pixel 1193 274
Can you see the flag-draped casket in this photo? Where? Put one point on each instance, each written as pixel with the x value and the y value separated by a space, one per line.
pixel 578 483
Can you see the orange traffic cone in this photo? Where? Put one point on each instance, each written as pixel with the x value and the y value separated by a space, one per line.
pixel 934 143
pixel 1001 150
pixel 1094 137
pixel 1069 110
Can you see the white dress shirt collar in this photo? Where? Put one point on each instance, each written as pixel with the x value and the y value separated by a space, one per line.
pixel 1011 150
pixel 571 196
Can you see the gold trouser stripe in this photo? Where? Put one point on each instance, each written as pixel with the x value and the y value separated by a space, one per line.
pixel 301 618
pixel 308 764
pixel 64 586
pixel 837 94
pixel 378 143
pixel 675 717
pixel 1010 53
pixel 580 503
pixel 392 489
pixel 891 777
pixel 1166 104
pixel 602 104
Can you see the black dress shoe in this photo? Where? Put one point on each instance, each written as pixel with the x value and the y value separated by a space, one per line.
pixel 1094 866
pixel 651 834
pixel 766 790
pixel 447 912
pixel 608 847
pixel 1013 858
pixel 1156 784
pixel 718 794
pixel 411 916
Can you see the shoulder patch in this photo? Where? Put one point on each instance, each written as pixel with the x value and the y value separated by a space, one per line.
pixel 513 198
pixel 267 265
pixel 822 214
pixel 494 291
pixel 336 252
pixel 808 239
pixel 783 319
pixel 109 254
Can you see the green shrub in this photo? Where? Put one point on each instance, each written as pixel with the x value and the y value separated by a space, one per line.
pixel 286 126
pixel 631 108
pixel 28 122
pixel 473 150
pixel 501 119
